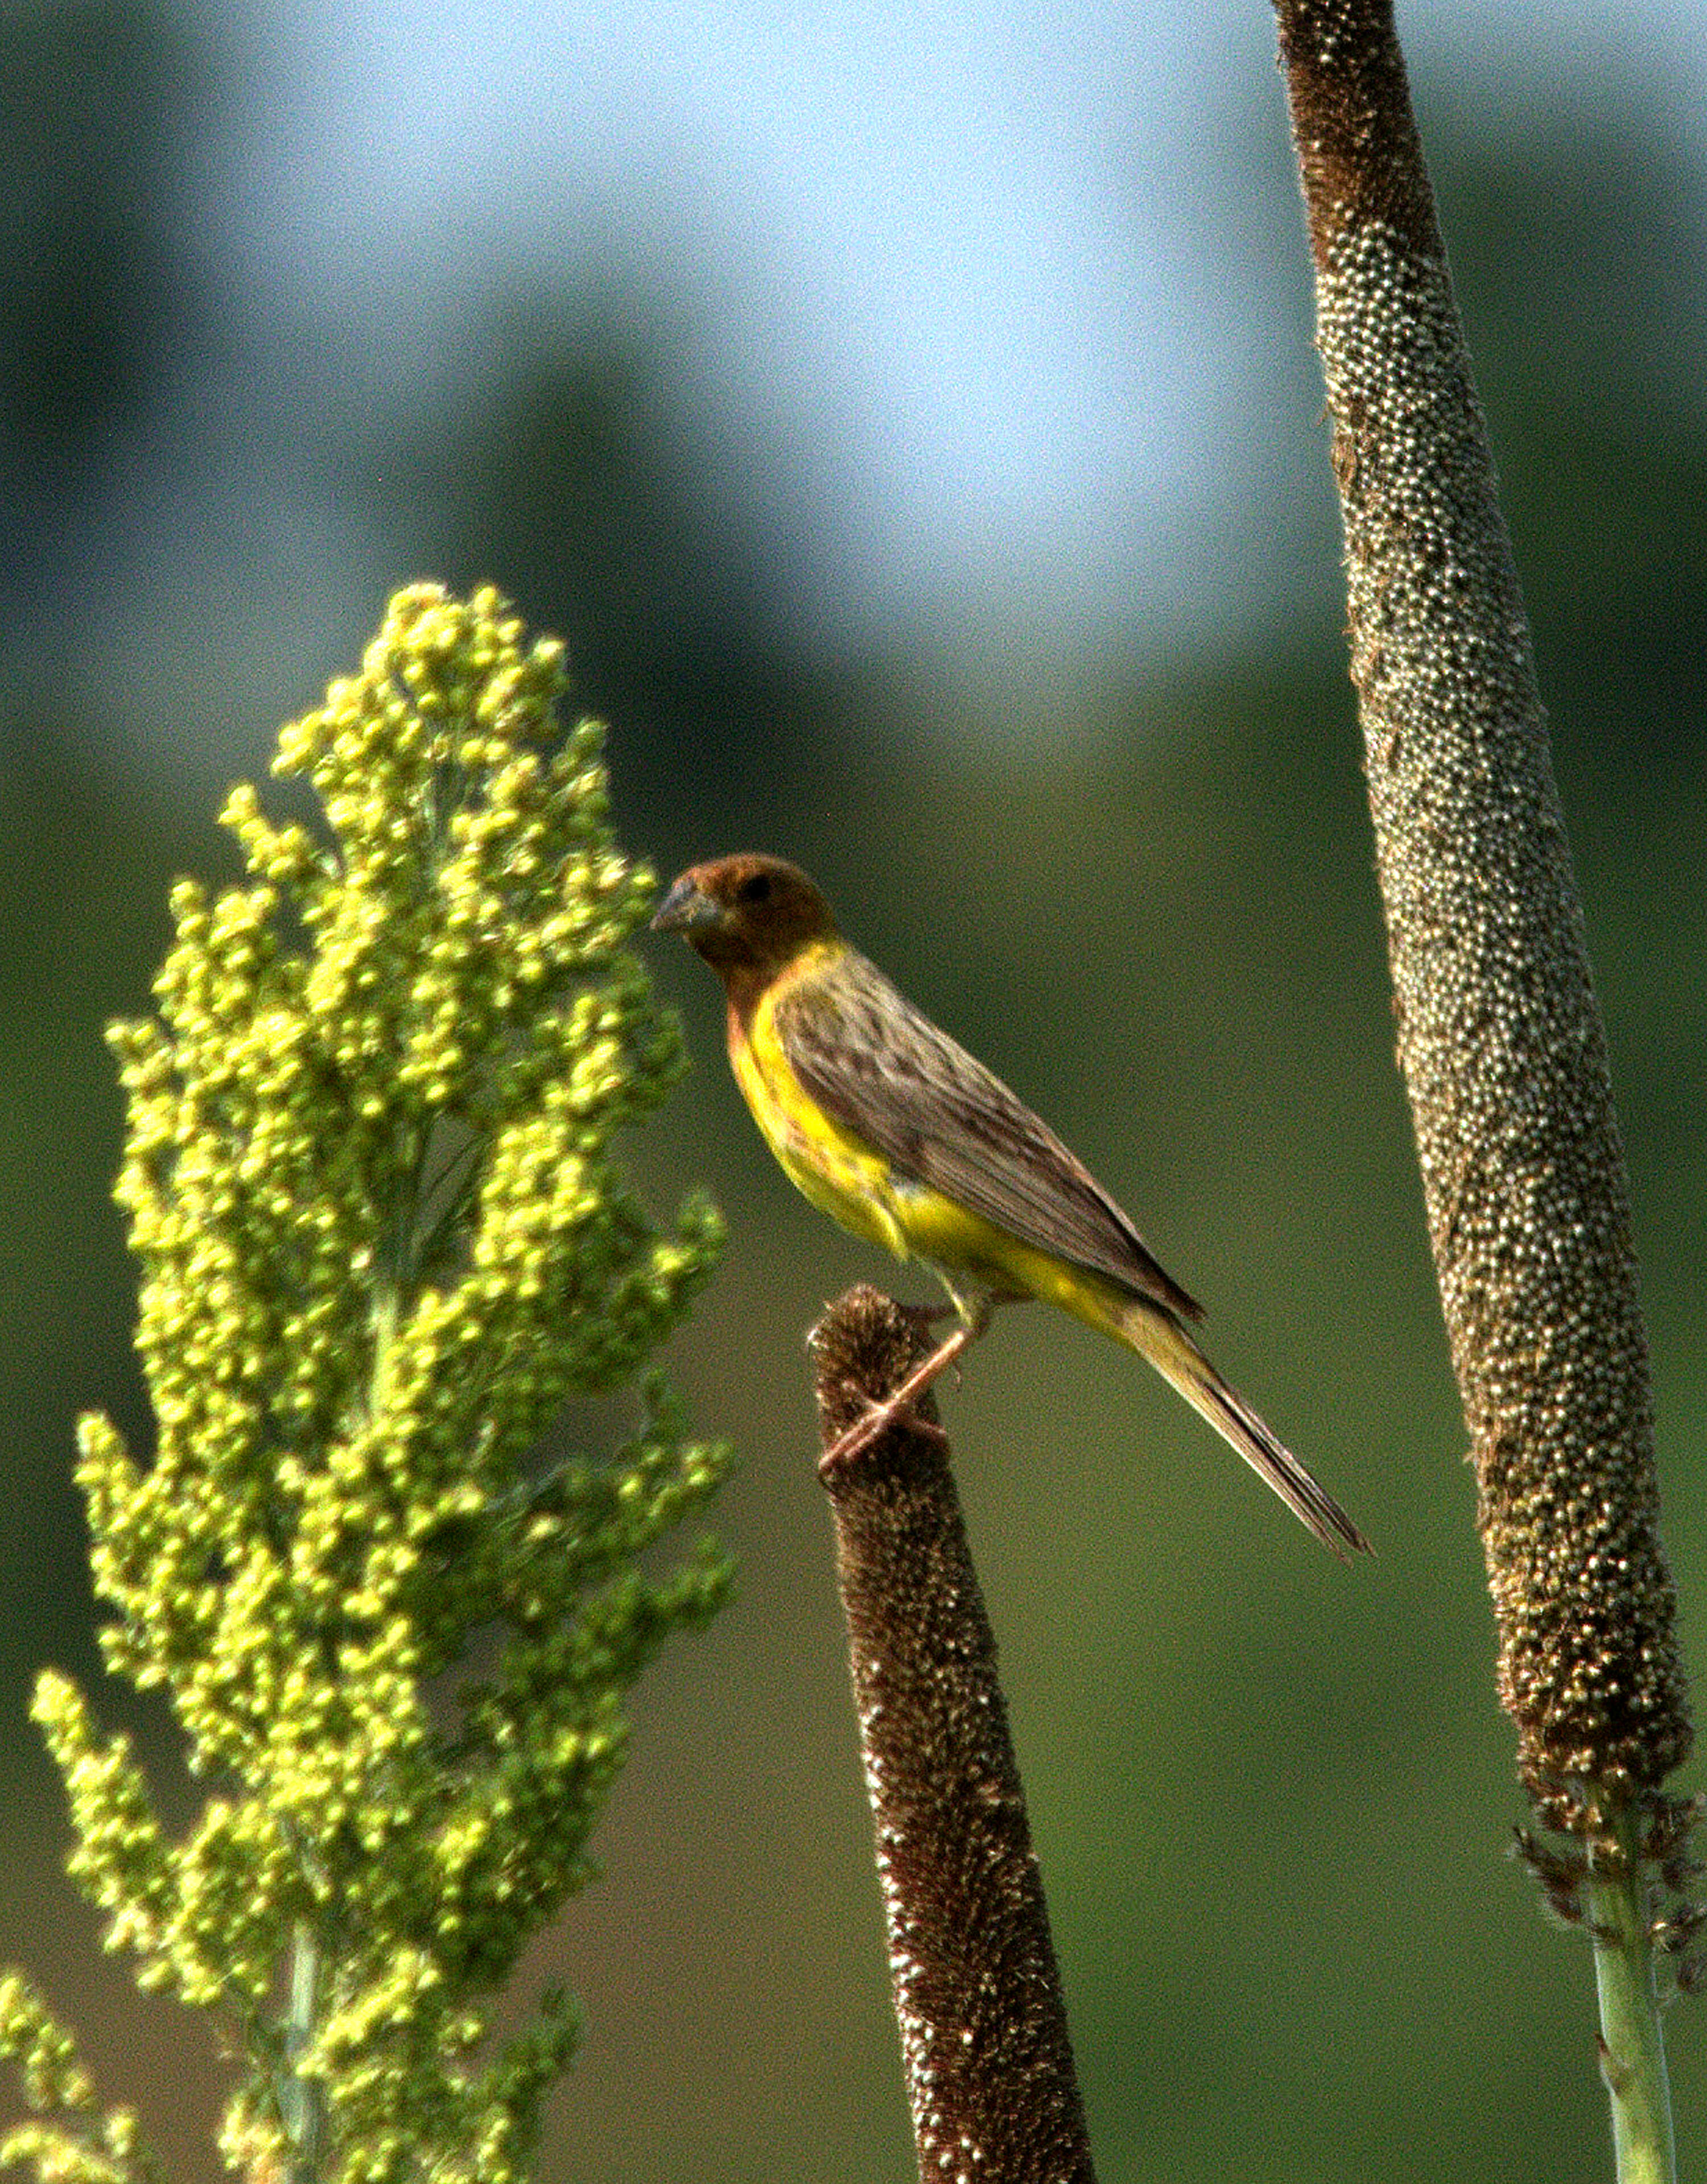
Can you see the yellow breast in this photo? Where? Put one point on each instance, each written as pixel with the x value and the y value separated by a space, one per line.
pixel 842 1176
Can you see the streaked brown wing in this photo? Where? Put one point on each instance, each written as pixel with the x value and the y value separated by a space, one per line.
pixel 885 1072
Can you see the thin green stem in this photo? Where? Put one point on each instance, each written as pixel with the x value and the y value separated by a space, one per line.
pixel 302 2102
pixel 1632 2046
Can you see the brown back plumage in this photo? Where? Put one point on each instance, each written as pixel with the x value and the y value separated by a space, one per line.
pixel 884 1070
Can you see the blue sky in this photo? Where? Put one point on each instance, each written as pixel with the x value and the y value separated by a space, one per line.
pixel 998 267
pixel 1006 309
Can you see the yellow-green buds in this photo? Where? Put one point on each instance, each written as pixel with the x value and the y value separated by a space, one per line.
pixel 373 1184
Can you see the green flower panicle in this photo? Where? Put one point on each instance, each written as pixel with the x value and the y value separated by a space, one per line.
pixel 372 1183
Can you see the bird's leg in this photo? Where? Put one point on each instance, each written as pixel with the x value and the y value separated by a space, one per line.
pixel 975 1318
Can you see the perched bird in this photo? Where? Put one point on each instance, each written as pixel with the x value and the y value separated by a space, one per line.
pixel 900 1135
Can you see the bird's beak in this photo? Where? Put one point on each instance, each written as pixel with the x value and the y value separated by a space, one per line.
pixel 685 909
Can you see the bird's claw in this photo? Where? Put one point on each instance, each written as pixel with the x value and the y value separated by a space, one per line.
pixel 877 1421
pixel 901 1402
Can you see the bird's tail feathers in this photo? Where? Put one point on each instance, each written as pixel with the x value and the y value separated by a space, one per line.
pixel 1154 1333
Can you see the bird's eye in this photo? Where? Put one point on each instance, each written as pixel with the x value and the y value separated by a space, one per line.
pixel 757 888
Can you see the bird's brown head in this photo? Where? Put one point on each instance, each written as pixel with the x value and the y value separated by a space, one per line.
pixel 747 916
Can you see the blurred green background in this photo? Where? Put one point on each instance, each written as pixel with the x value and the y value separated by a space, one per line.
pixel 1271 1796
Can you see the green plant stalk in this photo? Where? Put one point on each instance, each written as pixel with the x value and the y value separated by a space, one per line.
pixel 300 2099
pixel 1633 2045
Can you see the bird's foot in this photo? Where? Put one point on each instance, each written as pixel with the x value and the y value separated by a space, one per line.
pixel 877 1420
pixel 864 1431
